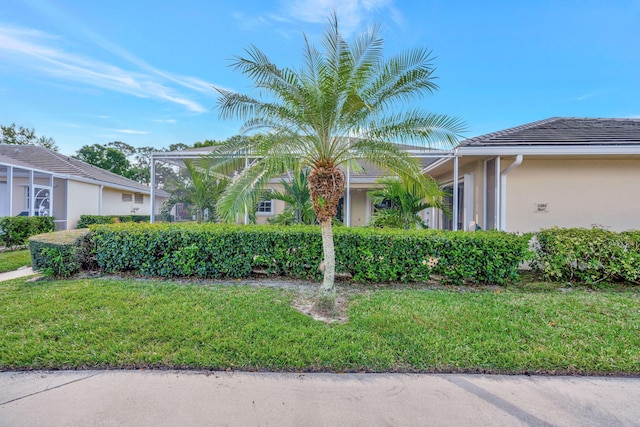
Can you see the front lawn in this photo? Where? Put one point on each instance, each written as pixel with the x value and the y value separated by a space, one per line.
pixel 102 323
pixel 13 260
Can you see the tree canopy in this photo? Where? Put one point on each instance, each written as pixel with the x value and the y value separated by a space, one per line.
pixel 20 135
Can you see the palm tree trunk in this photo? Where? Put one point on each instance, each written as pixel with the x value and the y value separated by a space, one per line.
pixel 328 287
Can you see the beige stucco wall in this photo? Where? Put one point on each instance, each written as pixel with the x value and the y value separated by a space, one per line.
pixel 359 201
pixel 83 199
pixel 578 193
pixel 112 203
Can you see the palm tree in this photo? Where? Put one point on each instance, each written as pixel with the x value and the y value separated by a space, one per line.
pixel 201 189
pixel 406 201
pixel 296 195
pixel 344 104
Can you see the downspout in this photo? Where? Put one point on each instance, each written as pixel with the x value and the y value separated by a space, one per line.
pixel 503 191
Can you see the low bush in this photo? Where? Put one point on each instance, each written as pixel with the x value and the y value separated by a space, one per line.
pixel 588 255
pixel 15 230
pixel 367 255
pixel 87 220
pixel 58 254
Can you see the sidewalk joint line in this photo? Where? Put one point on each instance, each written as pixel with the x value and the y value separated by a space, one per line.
pixel 47 389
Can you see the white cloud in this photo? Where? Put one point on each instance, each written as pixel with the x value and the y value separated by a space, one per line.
pixel 169 121
pixel 351 13
pixel 586 96
pixel 39 52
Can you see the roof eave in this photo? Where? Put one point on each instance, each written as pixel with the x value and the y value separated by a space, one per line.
pixel 551 150
pixel 81 179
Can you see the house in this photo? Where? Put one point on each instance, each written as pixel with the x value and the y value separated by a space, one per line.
pixel 66 188
pixel 562 171
pixel 355 208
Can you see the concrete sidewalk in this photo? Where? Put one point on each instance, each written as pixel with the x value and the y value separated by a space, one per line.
pixel 187 398
pixel 21 272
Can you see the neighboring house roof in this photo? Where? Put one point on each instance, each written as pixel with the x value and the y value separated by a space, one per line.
pixel 45 160
pixel 563 131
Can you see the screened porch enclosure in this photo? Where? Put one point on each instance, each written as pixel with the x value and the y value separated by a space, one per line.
pixel 29 192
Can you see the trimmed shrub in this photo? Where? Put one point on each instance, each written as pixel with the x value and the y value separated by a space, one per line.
pixel 367 255
pixel 58 254
pixel 87 220
pixel 15 230
pixel 588 255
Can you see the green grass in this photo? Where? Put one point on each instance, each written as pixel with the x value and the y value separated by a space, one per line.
pixel 126 323
pixel 13 260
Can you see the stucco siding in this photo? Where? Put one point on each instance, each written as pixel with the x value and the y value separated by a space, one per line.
pixel 359 202
pixel 83 199
pixel 573 193
pixel 113 204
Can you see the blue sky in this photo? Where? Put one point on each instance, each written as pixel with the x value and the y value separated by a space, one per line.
pixel 141 72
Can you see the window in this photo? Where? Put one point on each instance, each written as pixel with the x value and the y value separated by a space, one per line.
pixel 265 207
pixel 139 198
pixel 385 204
pixel 127 197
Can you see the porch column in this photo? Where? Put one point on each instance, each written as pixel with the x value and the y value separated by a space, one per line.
pixel 152 202
pixel 31 198
pixel 455 194
pixel 10 189
pixel 347 200
pixel 246 208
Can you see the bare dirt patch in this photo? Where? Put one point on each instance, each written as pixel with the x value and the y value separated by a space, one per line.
pixel 305 303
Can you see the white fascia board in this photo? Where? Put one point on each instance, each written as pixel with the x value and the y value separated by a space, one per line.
pixel 546 150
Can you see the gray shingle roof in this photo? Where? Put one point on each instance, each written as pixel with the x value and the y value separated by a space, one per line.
pixel 563 131
pixel 50 161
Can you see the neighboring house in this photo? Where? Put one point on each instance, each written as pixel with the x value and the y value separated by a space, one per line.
pixel 562 171
pixel 355 208
pixel 65 188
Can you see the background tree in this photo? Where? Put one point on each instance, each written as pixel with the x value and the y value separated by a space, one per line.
pixel 406 201
pixel 20 135
pixel 346 102
pixel 105 157
pixel 296 195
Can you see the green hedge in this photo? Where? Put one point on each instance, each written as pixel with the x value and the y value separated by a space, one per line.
pixel 588 255
pixel 60 254
pixel 368 255
pixel 87 220
pixel 15 230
